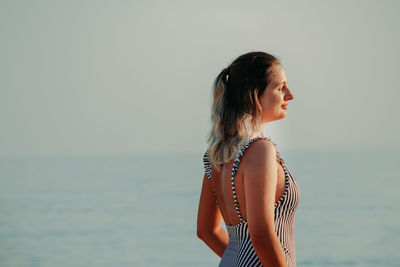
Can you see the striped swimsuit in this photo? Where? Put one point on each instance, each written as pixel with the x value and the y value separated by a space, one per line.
pixel 240 251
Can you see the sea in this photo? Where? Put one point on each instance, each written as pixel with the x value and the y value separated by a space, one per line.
pixel 140 210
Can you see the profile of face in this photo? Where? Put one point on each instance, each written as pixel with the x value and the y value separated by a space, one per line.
pixel 274 99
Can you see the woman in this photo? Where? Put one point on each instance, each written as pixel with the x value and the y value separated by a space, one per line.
pixel 246 182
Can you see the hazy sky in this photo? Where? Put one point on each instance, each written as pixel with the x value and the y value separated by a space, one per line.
pixel 99 77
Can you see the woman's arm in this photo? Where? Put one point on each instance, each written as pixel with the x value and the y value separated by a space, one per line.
pixel 260 179
pixel 209 220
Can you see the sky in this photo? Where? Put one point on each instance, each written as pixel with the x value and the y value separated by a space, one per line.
pixel 128 77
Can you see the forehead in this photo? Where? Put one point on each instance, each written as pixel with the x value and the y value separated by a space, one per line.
pixel 277 75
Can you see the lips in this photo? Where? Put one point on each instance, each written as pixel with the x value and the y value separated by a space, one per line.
pixel 284 106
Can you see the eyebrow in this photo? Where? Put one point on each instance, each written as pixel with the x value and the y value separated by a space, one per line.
pixel 277 84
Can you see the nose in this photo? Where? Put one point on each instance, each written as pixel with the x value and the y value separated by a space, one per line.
pixel 289 95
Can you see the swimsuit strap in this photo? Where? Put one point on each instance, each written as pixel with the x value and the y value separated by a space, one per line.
pixel 207 169
pixel 236 166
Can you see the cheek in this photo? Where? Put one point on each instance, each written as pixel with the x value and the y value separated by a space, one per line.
pixel 271 101
pixel 266 104
pixel 279 99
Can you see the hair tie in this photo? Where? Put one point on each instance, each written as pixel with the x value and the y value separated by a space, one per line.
pixel 226 72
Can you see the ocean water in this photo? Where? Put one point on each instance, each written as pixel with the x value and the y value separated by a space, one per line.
pixel 140 210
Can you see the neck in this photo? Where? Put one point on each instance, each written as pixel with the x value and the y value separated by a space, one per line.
pixel 260 132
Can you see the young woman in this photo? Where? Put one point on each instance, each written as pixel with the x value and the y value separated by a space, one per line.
pixel 246 182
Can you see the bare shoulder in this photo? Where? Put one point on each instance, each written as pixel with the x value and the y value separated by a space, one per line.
pixel 258 154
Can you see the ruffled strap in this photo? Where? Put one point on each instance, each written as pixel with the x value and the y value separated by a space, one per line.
pixel 207 165
pixel 207 170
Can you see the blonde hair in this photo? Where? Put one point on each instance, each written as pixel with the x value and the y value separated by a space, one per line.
pixel 236 113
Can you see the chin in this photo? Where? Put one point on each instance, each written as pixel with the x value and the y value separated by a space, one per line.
pixel 279 118
pixel 283 115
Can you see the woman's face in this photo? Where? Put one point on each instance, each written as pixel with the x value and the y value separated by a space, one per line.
pixel 276 95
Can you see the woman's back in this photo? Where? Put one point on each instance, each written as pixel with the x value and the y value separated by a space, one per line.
pixel 229 193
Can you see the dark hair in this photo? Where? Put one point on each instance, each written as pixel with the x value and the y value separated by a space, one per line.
pixel 236 112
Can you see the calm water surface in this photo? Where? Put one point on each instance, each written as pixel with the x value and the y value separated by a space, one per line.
pixel 141 210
